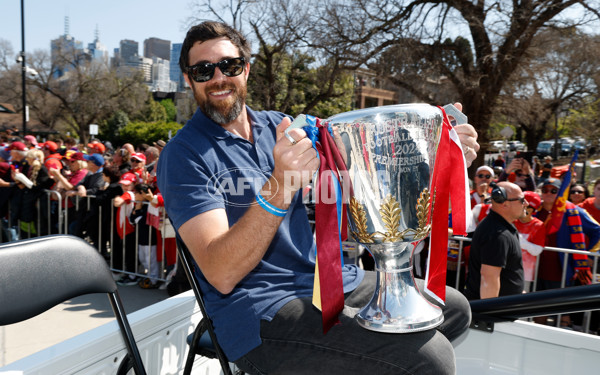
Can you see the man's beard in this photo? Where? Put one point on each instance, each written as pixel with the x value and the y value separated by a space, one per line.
pixel 226 112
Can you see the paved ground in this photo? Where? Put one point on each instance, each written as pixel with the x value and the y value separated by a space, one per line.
pixel 67 320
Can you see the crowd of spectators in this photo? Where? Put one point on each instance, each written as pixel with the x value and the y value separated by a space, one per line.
pixel 121 185
pixel 103 193
pixel 538 226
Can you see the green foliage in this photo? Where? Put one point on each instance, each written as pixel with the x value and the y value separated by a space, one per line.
pixel 170 109
pixel 137 132
pixel 288 83
pixel 585 121
pixel 110 129
pixel 340 101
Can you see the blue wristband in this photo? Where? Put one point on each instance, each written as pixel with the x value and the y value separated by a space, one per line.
pixel 269 207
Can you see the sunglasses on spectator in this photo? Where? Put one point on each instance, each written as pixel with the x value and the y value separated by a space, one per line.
pixel 136 161
pixel 519 174
pixel 481 175
pixel 204 71
pixel 576 191
pixel 549 191
pixel 522 199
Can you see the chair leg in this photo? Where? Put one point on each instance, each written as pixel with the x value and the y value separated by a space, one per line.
pixel 189 362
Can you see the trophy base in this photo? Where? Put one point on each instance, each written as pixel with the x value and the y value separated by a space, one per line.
pixel 399 309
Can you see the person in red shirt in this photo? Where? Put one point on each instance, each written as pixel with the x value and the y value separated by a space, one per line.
pixel 126 231
pixel 592 204
pixel 138 167
pixel 532 235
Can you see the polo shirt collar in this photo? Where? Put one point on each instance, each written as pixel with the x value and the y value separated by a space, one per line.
pixel 499 217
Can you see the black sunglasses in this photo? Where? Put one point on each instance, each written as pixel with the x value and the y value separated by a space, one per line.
pixel 204 71
pixel 481 175
pixel 522 199
pixel 576 192
pixel 551 191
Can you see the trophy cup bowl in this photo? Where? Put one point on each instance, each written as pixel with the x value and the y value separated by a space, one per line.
pixel 390 157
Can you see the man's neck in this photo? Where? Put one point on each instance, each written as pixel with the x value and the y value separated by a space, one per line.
pixel 241 126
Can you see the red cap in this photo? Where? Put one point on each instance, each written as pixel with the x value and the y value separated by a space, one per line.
pixel 128 178
pixel 50 145
pixel 19 146
pixel 139 156
pixel 533 199
pixel 53 163
pixel 75 156
pixel 31 139
pixel 98 147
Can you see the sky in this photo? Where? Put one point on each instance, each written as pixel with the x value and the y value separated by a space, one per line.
pixel 116 20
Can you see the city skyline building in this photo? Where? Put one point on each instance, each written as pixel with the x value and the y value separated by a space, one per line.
pixel 159 65
pixel 63 51
pixel 175 71
pixel 155 47
pixel 128 50
pixel 97 50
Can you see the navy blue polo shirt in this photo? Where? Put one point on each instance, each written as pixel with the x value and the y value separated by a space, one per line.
pixel 205 167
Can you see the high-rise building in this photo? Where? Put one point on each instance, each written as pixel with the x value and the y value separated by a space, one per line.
pixel 97 50
pixel 175 71
pixel 64 51
pixel 155 47
pixel 128 50
pixel 161 80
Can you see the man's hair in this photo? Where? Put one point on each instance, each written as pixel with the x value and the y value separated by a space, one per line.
pixel 209 30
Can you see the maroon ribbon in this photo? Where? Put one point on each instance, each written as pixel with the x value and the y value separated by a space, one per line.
pixel 329 232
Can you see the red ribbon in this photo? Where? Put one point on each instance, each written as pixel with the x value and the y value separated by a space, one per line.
pixel 447 183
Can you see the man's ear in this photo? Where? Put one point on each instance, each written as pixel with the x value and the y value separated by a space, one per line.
pixel 247 70
pixel 187 79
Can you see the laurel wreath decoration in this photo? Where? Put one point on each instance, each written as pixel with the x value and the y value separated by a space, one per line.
pixel 359 217
pixel 422 211
pixel 390 214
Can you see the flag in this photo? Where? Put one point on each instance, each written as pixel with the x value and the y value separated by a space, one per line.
pixel 560 204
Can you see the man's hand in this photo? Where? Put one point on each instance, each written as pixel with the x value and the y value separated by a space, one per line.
pixel 482 188
pixel 468 139
pixel 584 276
pixel 295 163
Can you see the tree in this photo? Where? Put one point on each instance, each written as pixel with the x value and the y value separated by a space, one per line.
pixel 138 132
pixel 469 49
pixel 286 75
pixel 585 121
pixel 557 74
pixel 88 92
pixel 287 83
pixel 170 109
pixel 495 37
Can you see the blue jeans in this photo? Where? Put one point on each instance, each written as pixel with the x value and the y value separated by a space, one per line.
pixel 293 342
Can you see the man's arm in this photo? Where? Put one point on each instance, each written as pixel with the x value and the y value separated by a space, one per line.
pixel 226 255
pixel 490 281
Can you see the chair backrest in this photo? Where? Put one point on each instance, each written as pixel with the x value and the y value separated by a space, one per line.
pixel 187 263
pixel 40 273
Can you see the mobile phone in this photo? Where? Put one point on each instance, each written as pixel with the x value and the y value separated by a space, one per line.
pixel 459 117
pixel 526 155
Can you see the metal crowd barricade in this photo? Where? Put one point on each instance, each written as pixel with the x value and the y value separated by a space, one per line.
pixel 595 279
pixel 54 219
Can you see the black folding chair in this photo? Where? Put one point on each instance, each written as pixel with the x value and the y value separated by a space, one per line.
pixel 203 340
pixel 40 273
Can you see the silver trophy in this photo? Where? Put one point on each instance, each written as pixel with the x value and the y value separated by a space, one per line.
pixel 390 156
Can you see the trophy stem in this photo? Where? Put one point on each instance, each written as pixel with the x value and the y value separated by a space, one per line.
pixel 397 305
